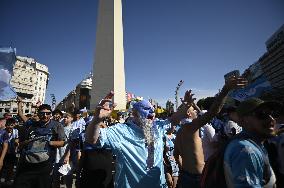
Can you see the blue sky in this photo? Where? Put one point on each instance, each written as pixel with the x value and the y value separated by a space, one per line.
pixel 164 40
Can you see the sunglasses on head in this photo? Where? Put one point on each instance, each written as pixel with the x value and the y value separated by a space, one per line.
pixel 44 113
pixel 265 114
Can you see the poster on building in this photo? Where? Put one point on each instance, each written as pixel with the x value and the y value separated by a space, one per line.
pixel 254 89
pixel 7 61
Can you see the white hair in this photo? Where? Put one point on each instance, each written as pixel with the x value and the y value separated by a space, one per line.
pixel 147 126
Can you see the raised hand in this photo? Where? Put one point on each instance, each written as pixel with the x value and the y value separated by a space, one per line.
pixel 187 102
pixel 188 98
pixel 19 99
pixel 105 107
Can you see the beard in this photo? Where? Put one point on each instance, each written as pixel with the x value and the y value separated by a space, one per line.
pixel 148 130
pixel 147 127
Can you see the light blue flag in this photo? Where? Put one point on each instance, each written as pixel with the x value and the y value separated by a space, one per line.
pixel 7 61
pixel 254 89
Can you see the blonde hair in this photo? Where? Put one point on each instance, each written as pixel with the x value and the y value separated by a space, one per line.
pixel 67 114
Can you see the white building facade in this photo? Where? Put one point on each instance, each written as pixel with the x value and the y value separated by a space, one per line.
pixel 29 80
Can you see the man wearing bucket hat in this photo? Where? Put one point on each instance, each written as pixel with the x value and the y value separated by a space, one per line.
pixel 246 162
pixel 137 144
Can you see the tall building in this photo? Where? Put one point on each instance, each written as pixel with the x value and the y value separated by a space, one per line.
pixel 29 80
pixel 271 66
pixel 84 89
pixel 272 62
pixel 78 98
pixel 109 55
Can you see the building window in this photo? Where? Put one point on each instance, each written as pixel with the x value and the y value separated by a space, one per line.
pixel 27 111
pixel 7 110
pixel 14 110
pixel 83 97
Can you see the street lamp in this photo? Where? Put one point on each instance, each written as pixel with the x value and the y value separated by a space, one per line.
pixel 74 99
pixel 53 101
pixel 176 92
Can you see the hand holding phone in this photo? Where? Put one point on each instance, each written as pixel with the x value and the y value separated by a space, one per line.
pixel 235 73
pixel 109 95
pixel 105 106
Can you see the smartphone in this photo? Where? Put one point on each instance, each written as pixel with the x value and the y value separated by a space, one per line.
pixel 235 73
pixel 109 95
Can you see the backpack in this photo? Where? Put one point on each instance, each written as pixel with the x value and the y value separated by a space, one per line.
pixel 213 171
pixel 38 150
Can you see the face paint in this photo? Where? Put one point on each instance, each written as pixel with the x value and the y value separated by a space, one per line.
pixel 145 109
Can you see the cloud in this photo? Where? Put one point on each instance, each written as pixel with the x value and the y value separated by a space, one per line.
pixel 5 76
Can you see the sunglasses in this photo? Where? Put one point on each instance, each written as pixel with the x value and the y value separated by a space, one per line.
pixel 11 125
pixel 265 114
pixel 44 113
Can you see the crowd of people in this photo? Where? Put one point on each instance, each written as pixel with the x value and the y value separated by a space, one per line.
pixel 236 145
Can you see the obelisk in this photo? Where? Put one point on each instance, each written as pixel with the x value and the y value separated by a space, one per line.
pixel 108 69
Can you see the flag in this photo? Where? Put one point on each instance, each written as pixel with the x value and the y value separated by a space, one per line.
pixel 7 61
pixel 254 89
pixel 130 96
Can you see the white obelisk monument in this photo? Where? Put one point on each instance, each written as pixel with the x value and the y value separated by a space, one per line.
pixel 108 69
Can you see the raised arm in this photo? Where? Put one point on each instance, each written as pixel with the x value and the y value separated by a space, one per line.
pixel 20 109
pixel 232 83
pixel 103 110
pixel 3 154
pixel 182 111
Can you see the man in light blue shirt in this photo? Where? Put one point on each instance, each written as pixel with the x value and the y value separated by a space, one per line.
pixel 246 162
pixel 137 144
pixel 138 165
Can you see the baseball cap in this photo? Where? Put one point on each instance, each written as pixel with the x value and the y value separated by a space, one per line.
pixel 250 105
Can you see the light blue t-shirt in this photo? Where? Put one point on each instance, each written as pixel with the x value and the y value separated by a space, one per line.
pixel 128 144
pixel 246 164
pixel 60 152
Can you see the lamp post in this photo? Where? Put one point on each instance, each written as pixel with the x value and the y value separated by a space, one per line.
pixel 73 100
pixel 53 101
pixel 176 92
